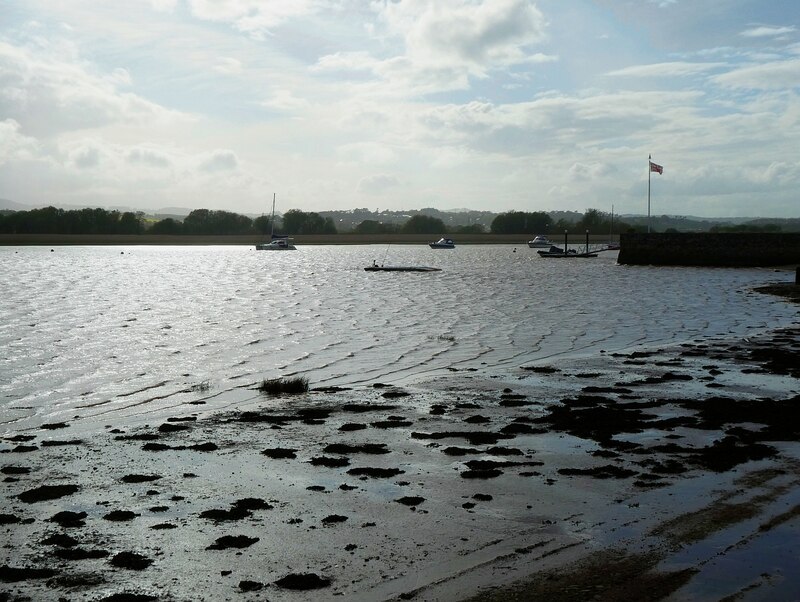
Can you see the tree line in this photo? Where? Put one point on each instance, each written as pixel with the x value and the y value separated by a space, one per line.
pixel 51 220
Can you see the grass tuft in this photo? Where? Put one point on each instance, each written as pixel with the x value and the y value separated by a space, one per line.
pixel 284 386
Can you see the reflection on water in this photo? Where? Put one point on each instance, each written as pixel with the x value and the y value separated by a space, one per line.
pixel 114 331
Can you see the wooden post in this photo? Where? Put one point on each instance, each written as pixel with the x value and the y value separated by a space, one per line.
pixel 587 242
pixel 797 276
pixel 565 242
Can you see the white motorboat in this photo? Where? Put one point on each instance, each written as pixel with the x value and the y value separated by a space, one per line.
pixel 540 242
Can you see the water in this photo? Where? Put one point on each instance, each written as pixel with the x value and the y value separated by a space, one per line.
pixel 112 333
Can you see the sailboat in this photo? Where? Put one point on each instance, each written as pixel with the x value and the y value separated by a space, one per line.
pixel 276 242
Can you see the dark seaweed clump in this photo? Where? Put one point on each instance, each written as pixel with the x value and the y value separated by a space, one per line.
pixel 284 386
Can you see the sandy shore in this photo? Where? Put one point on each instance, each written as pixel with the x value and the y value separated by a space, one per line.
pixel 654 473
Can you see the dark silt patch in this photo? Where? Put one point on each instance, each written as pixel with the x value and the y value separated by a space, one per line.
pixel 378 473
pixel 127 597
pixel 352 426
pixel 232 541
pixel 472 437
pixel 8 519
pixel 278 453
pixel 364 448
pixel 609 471
pixel 222 515
pixel 131 561
pixel 410 500
pixel 15 470
pixel 250 586
pixel 140 478
pixel 47 492
pixel 67 518
pixel 120 515
pixel 9 574
pixel 252 503
pixel 481 474
pixel 329 462
pixel 303 581
pixel 333 519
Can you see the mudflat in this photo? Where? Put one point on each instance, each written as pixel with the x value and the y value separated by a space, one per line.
pixel 628 476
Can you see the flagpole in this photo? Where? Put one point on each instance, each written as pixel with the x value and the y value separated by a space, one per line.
pixel 649 159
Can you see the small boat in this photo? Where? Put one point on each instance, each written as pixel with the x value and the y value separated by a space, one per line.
pixel 443 243
pixel 540 242
pixel 566 252
pixel 277 242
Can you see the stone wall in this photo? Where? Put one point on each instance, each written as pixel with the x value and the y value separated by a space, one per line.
pixel 707 249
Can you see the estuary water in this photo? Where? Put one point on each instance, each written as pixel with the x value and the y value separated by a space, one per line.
pixel 113 334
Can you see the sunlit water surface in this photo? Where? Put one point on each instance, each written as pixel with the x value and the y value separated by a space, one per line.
pixel 112 333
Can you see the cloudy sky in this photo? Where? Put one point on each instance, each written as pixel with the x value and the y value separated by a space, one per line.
pixel 402 104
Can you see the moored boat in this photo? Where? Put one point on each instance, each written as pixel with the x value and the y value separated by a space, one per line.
pixel 540 242
pixel 277 242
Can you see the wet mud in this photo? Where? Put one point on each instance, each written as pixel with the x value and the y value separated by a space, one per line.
pixel 456 487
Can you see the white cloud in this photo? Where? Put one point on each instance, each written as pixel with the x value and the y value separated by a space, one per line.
pixel 219 160
pixel 85 156
pixel 498 104
pixel 285 100
pixel 377 184
pixel 149 157
pixel 776 75
pixel 767 32
pixel 228 66
pixel 14 145
pixel 254 17
pixel 372 153
pixel 49 94
pixel 671 69
pixel 465 35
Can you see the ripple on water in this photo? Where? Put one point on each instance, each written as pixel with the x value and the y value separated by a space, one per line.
pixel 90 332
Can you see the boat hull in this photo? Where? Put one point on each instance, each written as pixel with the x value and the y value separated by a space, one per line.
pixel 400 268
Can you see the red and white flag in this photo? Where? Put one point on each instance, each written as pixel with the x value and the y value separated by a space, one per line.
pixel 656 168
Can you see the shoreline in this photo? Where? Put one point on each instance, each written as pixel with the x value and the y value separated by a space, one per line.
pixel 251 239
pixel 431 492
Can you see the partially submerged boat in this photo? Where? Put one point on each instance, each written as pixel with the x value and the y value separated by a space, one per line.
pixel 566 252
pixel 399 268
pixel 443 243
pixel 559 252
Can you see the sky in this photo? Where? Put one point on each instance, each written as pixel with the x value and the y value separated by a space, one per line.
pixel 494 105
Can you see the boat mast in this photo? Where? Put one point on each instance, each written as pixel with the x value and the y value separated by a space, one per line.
pixel 272 219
